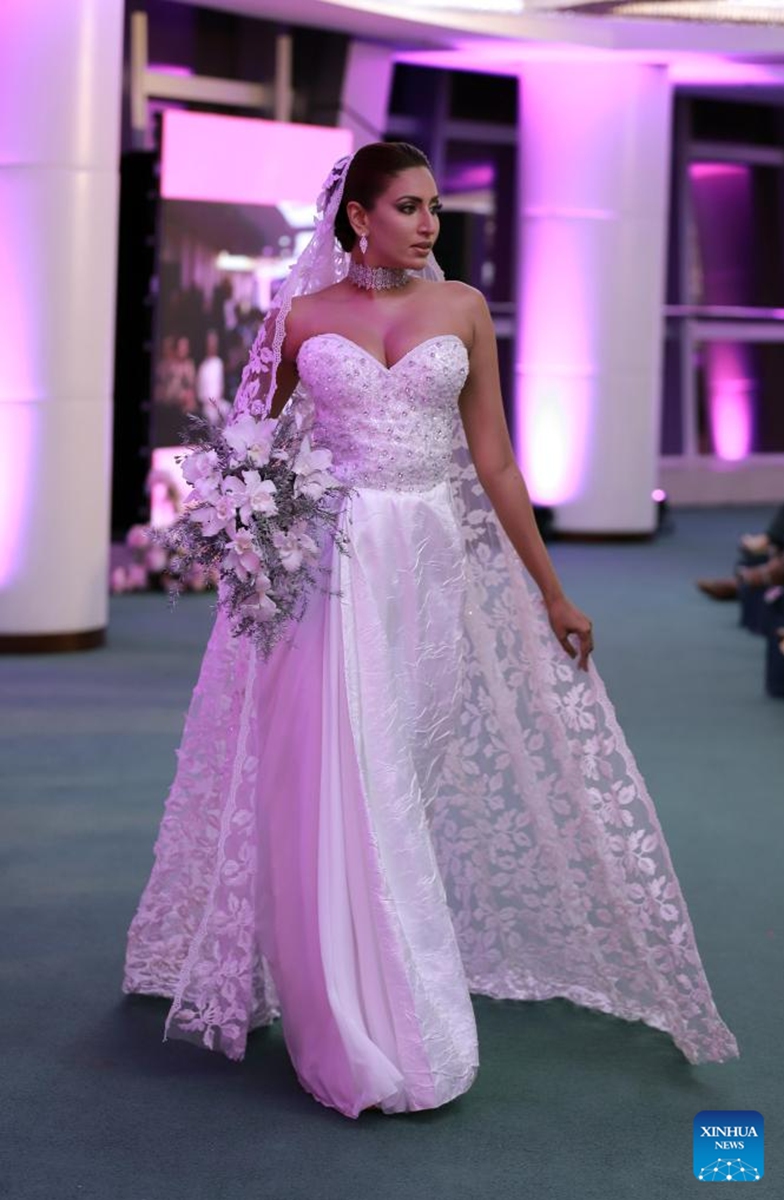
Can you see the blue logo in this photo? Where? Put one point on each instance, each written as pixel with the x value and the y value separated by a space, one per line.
pixel 729 1146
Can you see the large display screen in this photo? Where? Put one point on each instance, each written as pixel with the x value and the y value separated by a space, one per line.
pixel 237 205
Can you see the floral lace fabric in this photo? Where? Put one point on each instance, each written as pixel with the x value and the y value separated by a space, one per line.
pixel 552 864
pixel 555 864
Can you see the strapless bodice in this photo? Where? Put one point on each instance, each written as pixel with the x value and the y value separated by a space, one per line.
pixel 387 427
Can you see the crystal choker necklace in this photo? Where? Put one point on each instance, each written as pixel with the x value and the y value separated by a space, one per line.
pixel 376 278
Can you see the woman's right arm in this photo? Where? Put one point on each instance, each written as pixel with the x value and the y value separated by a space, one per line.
pixel 287 380
pixel 288 375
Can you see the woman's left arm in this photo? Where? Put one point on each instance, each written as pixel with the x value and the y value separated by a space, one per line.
pixel 484 420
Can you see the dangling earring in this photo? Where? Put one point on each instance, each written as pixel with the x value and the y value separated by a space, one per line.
pixel 363 245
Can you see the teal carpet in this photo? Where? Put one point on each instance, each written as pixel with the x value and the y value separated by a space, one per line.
pixel 567 1104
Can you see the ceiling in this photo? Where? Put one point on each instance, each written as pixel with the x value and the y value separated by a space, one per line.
pixel 756 12
pixel 739 27
pixel 500 35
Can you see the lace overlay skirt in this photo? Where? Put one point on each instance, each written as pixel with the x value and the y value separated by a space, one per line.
pixel 417 799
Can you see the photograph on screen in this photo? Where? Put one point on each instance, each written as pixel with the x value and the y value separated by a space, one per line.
pixel 219 268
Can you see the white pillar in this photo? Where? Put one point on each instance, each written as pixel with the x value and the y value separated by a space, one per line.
pixel 60 93
pixel 367 84
pixel 594 170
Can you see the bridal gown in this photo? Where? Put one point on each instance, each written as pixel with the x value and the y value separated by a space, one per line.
pixel 417 797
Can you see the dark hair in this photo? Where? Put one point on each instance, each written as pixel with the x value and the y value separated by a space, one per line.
pixel 369 172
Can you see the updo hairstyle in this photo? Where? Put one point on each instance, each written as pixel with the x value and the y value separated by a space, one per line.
pixel 369 173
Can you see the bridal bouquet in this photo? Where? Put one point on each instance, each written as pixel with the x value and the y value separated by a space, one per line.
pixel 261 497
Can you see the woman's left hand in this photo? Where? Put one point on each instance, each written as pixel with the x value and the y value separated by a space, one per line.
pixel 565 619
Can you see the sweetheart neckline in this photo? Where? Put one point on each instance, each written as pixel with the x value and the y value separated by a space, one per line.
pixel 438 337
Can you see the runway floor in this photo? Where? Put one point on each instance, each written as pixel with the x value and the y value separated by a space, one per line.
pixel 567 1104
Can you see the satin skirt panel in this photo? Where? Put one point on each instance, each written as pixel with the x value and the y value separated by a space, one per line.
pixel 354 720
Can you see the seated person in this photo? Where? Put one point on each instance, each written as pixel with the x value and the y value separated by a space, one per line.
pixel 769 574
pixel 769 545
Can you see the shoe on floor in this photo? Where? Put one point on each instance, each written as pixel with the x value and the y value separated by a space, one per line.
pixel 719 589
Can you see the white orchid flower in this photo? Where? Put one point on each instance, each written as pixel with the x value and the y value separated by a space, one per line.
pixel 206 490
pixel 310 469
pixel 288 549
pixel 309 460
pixel 293 547
pixel 305 542
pixel 214 516
pixel 241 557
pixel 251 439
pixel 201 464
pixel 251 494
pixel 202 472
pixel 314 485
pixel 243 546
pixel 263 607
pixel 260 604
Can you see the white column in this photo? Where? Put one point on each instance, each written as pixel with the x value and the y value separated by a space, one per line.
pixel 60 93
pixel 594 169
pixel 367 84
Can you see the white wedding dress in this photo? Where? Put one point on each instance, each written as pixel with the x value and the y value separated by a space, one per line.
pixel 415 798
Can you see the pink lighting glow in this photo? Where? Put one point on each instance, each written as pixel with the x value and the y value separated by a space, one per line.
pixel 170 69
pixel 731 399
pixel 16 479
pixel 471 177
pixel 509 57
pixel 701 171
pixel 553 424
pixel 711 68
pixel 20 379
pixel 724 214
pixel 552 443
pixel 239 160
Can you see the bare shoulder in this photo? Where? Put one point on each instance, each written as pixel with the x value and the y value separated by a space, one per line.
pixel 305 316
pixel 466 308
pixel 306 308
pixel 452 291
pixel 462 293
pixel 466 302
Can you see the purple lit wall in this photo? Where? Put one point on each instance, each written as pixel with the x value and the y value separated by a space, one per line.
pixel 723 210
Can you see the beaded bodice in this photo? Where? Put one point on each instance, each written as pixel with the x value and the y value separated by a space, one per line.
pixel 387 427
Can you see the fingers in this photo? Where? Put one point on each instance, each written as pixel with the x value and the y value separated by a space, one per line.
pixel 585 638
pixel 586 648
pixel 568 623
